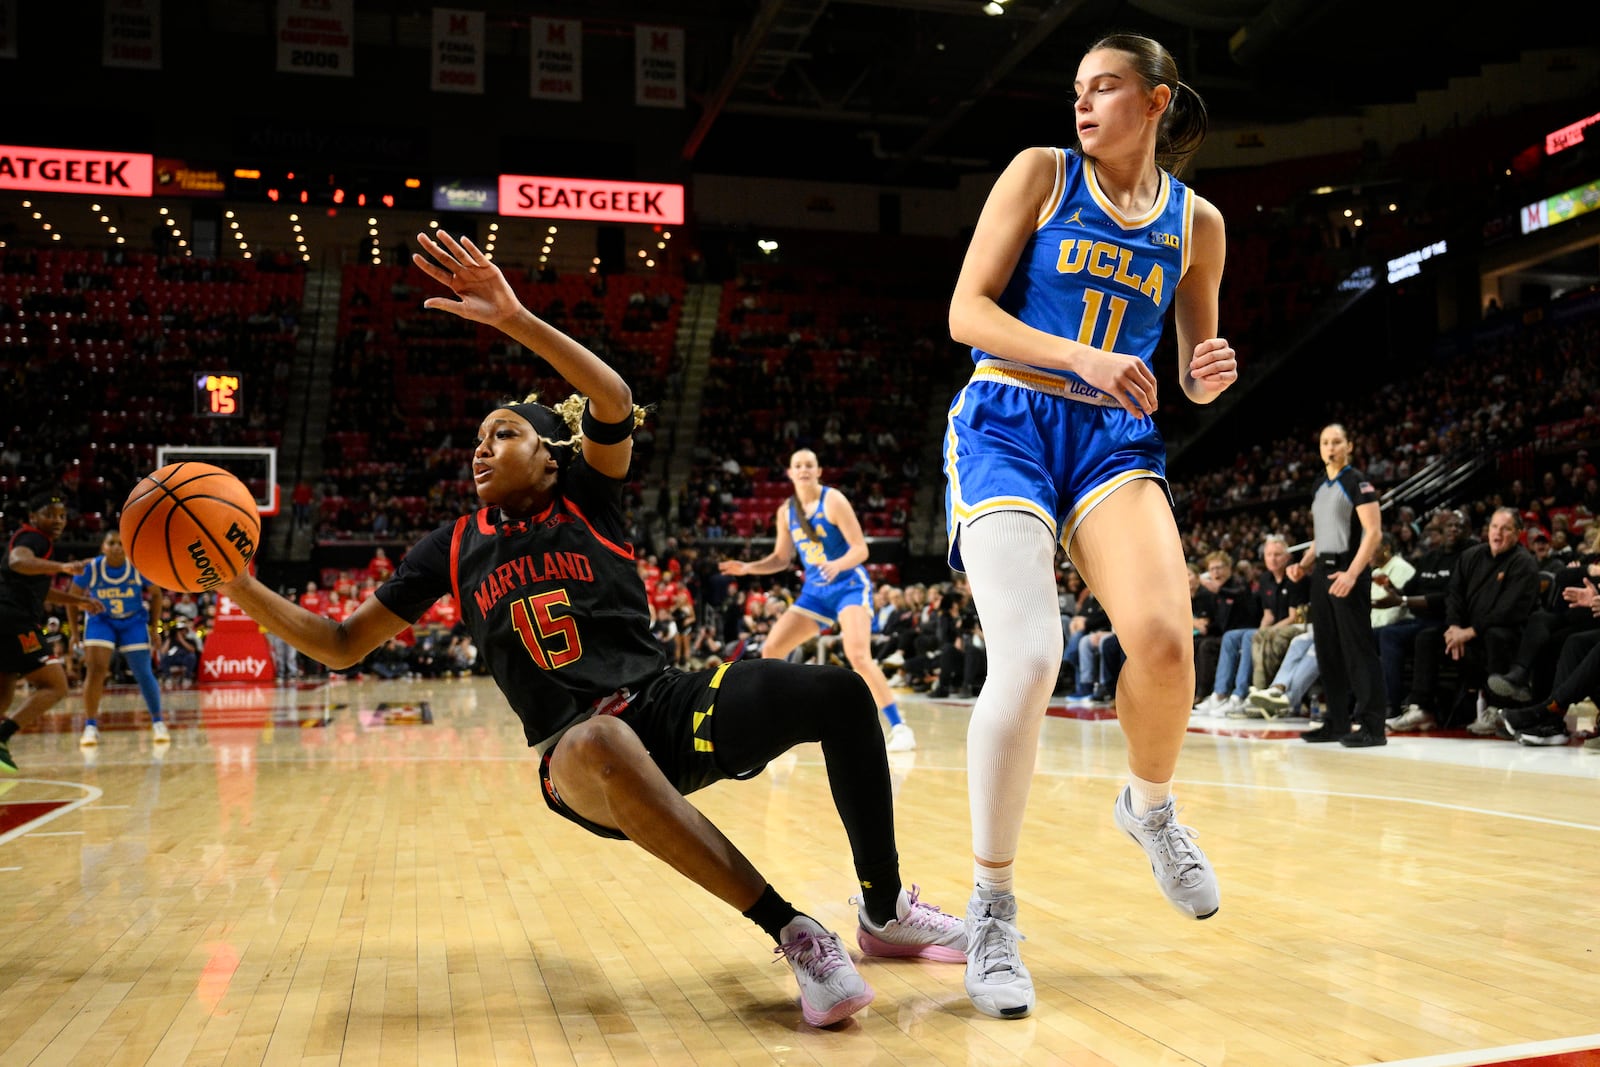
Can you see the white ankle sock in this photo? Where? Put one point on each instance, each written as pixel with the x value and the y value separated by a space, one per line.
pixel 1147 796
pixel 993 880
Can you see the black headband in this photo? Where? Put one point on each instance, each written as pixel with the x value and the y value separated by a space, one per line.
pixel 545 422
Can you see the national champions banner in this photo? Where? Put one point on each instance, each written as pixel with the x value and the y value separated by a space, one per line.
pixel 317 37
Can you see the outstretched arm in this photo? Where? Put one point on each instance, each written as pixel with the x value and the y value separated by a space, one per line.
pixel 483 295
pixel 781 556
pixel 336 644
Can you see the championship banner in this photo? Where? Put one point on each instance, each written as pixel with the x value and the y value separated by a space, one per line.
pixel 557 53
pixel 658 52
pixel 317 37
pixel 69 170
pixel 591 200
pixel 132 34
pixel 8 29
pixel 457 51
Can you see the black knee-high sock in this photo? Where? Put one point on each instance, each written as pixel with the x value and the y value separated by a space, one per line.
pixel 7 728
pixel 769 706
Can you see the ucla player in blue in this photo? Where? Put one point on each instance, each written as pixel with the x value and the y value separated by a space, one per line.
pixel 819 520
pixel 1076 259
pixel 125 625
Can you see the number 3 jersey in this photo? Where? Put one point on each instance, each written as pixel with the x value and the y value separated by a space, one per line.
pixel 553 601
pixel 1097 276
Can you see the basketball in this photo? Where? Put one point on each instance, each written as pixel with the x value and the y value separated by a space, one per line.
pixel 190 527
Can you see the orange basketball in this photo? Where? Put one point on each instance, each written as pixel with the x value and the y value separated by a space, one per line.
pixel 190 526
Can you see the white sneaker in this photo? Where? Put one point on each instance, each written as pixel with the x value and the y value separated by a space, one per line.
pixel 1236 708
pixel 901 739
pixel 91 736
pixel 159 734
pixel 1180 868
pixel 1211 705
pixel 830 988
pixel 1412 718
pixel 1487 724
pixel 896 658
pixel 997 981
pixel 918 930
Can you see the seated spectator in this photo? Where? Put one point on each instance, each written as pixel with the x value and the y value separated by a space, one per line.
pixel 1490 599
pixel 1577 678
pixel 1444 539
pixel 1290 691
pixel 1233 607
pixel 1082 657
pixel 390 660
pixel 180 654
pixel 1559 617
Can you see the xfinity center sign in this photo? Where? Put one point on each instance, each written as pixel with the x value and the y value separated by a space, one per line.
pixel 591 200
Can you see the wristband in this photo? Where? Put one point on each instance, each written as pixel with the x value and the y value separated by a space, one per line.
pixel 606 433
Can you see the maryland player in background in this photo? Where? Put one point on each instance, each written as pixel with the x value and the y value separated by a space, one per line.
pixel 27 575
pixel 549 588
pixel 124 625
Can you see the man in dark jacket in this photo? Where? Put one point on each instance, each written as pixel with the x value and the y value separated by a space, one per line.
pixel 1490 597
pixel 1419 637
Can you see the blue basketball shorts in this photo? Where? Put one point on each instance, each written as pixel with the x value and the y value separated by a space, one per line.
pixel 1022 439
pixel 130 634
pixel 823 601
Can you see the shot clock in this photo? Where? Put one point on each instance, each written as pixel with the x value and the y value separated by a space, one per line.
pixel 219 394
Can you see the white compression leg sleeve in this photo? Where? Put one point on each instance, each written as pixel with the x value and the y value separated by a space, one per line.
pixel 1010 561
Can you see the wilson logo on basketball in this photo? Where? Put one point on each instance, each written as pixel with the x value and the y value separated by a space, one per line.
pixel 207 576
pixel 240 539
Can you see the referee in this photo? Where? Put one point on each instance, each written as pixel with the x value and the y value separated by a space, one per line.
pixel 1346 531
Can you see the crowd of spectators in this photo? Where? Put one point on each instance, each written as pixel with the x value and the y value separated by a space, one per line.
pixel 98 352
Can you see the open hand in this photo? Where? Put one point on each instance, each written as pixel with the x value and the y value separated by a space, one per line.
pixel 484 294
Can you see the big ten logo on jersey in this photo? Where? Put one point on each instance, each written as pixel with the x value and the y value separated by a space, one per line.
pixel 1103 259
pixel 813 553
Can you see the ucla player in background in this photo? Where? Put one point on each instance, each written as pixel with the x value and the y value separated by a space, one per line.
pixel 126 625
pixel 819 520
pixel 1073 264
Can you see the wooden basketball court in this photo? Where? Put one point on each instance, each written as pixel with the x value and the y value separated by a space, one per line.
pixel 365 873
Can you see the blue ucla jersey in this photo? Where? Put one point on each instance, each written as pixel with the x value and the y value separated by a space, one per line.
pixel 821 599
pixel 122 592
pixel 1095 275
pixel 812 553
pixel 1042 440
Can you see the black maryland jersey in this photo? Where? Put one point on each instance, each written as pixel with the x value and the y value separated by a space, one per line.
pixel 22 596
pixel 554 602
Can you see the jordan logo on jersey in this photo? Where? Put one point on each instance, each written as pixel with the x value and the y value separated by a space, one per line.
pixel 1076 216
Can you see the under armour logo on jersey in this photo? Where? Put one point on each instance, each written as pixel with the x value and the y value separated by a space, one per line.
pixel 508 529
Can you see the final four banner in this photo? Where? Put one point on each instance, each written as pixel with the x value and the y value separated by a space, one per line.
pixel 457 51
pixel 132 34
pixel 317 37
pixel 557 66
pixel 658 52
